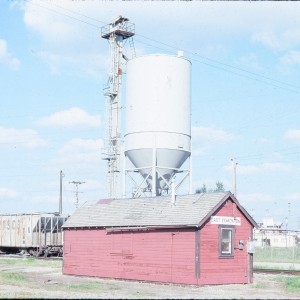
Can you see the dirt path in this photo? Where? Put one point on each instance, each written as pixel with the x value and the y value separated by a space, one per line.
pixel 45 280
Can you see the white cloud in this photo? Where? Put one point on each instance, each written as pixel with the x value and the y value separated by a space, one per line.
pixel 211 134
pixel 69 45
pixel 284 42
pixel 292 135
pixel 82 146
pixel 268 39
pixel 70 118
pixel 280 167
pixel 7 58
pixel 241 169
pixel 82 156
pixel 250 61
pixel 73 63
pixel 266 167
pixel 291 58
pixel 203 136
pixel 292 197
pixel 44 199
pixel 8 193
pixel 256 197
pixel 25 138
pixel 83 153
pixel 278 40
pixel 39 15
pixel 224 18
pixel 73 39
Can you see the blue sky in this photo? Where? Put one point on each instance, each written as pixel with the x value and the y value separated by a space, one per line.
pixel 245 97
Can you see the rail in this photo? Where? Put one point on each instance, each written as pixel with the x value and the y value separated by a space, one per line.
pixel 5 255
pixel 277 271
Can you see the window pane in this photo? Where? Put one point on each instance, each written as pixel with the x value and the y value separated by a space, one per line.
pixel 226 241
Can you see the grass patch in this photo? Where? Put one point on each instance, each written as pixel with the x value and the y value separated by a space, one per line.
pixel 264 267
pixel 259 286
pixel 30 261
pixel 91 287
pixel 273 267
pixel 291 283
pixel 19 261
pixel 12 277
pixel 85 286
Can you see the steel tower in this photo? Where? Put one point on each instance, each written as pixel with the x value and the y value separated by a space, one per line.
pixel 115 32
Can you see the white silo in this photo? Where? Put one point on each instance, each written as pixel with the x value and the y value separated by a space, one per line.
pixel 158 119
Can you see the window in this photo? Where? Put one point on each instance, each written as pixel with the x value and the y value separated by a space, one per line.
pixel 226 241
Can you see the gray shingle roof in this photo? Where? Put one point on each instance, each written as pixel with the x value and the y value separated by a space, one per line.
pixel 189 210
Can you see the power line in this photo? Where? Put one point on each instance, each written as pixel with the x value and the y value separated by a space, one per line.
pixel 62 14
pixel 80 14
pixel 210 63
pixel 285 151
pixel 221 63
pixel 187 51
pixel 226 70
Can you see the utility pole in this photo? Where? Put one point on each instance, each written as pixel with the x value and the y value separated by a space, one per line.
pixel 286 232
pixel 288 217
pixel 76 192
pixel 234 164
pixel 60 191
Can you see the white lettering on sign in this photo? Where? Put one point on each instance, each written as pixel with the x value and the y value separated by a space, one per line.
pixel 225 220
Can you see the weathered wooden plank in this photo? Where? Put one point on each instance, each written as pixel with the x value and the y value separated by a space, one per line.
pixel 162 255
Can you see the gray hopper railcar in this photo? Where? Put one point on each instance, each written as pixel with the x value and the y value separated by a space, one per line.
pixel 38 234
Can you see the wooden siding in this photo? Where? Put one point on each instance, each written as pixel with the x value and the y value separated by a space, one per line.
pixel 164 255
pixel 160 255
pixel 217 270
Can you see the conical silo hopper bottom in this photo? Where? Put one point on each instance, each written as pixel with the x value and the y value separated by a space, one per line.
pixel 167 163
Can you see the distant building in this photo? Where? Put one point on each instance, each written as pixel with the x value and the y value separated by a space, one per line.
pixel 274 235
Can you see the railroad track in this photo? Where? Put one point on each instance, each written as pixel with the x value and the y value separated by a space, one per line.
pixel 255 270
pixel 28 256
pixel 277 271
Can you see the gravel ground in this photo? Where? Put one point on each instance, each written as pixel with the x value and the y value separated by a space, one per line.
pixel 47 281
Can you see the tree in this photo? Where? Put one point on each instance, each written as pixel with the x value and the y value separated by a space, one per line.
pixel 219 188
pixel 201 190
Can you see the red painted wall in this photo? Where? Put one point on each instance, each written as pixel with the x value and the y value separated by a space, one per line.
pixel 216 270
pixel 160 255
pixel 165 256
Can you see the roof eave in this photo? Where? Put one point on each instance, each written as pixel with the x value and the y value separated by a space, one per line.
pixel 133 228
pixel 227 196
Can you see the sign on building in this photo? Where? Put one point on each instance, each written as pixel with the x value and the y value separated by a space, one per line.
pixel 222 220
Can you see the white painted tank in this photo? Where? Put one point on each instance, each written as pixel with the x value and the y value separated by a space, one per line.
pixel 158 114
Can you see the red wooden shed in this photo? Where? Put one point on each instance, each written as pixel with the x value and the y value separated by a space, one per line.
pixel 196 239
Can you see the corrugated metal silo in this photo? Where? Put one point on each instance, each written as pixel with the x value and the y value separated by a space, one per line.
pixel 158 116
